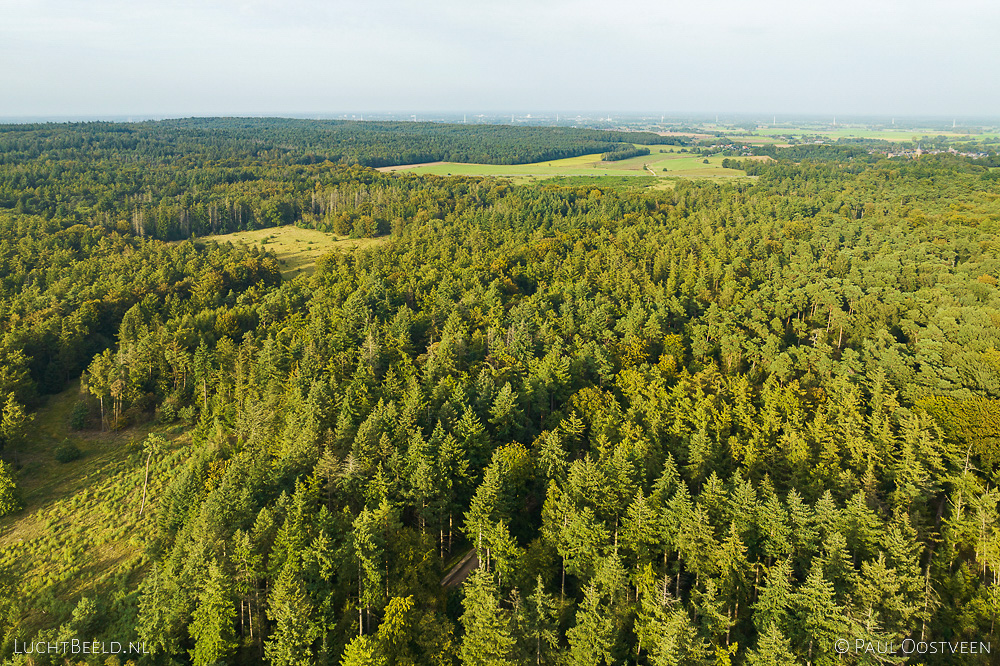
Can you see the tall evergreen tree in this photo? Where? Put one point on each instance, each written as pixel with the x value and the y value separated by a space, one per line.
pixel 212 624
pixel 291 611
pixel 488 640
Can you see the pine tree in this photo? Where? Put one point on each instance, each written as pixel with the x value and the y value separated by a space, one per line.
pixel 395 633
pixel 203 362
pixel 551 455
pixel 641 530
pixel 817 621
pixel 772 521
pixel 452 471
pixel 733 570
pixel 162 611
pixel 369 548
pixel 422 480
pixel 363 651
pixel 13 425
pixel 773 605
pixel 663 627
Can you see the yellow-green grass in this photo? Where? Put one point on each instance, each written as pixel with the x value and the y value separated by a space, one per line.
pixel 297 249
pixel 80 528
pixel 662 161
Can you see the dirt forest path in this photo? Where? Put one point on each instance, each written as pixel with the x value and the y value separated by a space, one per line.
pixel 461 571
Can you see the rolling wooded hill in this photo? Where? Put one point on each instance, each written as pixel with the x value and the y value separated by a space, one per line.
pixel 721 423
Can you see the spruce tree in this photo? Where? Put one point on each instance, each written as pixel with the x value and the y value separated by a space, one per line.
pixel 291 611
pixel 212 622
pixel 537 628
pixel 772 649
pixel 592 638
pixel 487 640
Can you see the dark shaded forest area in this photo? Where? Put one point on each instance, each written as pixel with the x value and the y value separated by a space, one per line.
pixel 723 423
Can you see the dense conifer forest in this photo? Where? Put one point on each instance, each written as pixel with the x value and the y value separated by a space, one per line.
pixel 719 423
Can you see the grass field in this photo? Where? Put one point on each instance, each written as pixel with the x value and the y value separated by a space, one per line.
pixel 668 162
pixel 80 530
pixel 662 161
pixel 297 249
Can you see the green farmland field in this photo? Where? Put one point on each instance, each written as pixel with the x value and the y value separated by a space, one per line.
pixel 662 161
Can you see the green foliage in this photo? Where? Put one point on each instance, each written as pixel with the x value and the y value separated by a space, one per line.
pixel 211 625
pixel 591 638
pixel 624 153
pixel 67 452
pixel 13 423
pixel 487 640
pixel 974 422
pixel 725 423
pixel 291 611
pixel 80 415
pixel 10 497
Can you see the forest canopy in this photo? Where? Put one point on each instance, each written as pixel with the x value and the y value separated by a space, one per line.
pixel 713 423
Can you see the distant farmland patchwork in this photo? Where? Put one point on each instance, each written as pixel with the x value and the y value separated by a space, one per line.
pixel 777 134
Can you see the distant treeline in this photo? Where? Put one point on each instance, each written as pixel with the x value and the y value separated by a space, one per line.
pixel 176 179
pixel 198 142
pixel 623 153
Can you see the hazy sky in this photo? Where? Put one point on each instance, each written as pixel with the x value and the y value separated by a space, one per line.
pixel 183 57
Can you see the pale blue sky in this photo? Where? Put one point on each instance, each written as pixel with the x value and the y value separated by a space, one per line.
pixel 208 57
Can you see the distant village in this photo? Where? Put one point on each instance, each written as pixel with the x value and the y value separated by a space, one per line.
pixel 734 149
pixel 917 152
pixel 744 150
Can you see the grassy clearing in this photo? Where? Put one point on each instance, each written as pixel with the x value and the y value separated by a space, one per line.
pixel 297 249
pixel 662 161
pixel 80 532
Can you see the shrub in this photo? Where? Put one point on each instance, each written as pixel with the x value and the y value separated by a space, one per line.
pixel 168 413
pixel 186 414
pixel 67 452
pixel 10 498
pixel 80 415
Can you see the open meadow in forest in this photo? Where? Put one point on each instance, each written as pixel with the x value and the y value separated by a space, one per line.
pixel 662 161
pixel 81 531
pixel 297 249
